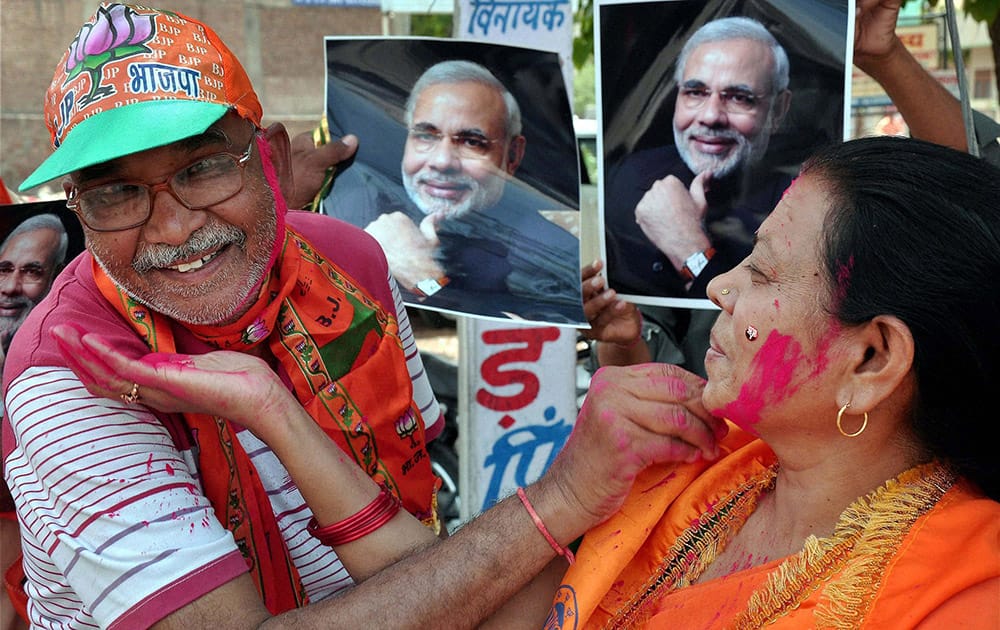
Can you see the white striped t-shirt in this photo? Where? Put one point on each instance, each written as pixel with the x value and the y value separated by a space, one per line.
pixel 112 513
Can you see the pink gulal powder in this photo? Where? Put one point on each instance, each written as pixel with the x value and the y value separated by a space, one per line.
pixel 166 359
pixel 844 278
pixel 789 189
pixel 772 376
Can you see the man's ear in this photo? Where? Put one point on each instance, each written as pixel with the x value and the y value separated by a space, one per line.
pixel 782 101
pixel 281 157
pixel 882 362
pixel 515 153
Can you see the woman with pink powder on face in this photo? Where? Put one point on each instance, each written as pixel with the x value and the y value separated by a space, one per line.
pixel 854 358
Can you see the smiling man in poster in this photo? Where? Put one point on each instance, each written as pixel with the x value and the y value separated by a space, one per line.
pixel 464 144
pixel 678 215
pixel 471 198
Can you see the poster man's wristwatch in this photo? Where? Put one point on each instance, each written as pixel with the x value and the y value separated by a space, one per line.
pixel 696 263
pixel 429 286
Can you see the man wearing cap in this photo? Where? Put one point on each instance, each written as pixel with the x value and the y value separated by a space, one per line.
pixel 190 249
pixel 211 419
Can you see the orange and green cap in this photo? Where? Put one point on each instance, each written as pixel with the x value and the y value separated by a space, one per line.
pixel 135 78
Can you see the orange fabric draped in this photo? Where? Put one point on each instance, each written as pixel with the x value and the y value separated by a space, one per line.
pixel 342 352
pixel 930 562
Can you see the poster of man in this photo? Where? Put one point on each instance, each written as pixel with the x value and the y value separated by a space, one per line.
pixel 707 110
pixel 466 173
pixel 37 239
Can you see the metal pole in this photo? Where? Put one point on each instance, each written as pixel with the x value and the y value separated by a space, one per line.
pixel 963 84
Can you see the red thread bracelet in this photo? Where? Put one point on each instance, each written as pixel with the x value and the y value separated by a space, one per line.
pixel 562 551
pixel 374 515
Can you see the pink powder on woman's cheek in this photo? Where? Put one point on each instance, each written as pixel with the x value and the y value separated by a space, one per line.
pixel 771 376
pixel 770 381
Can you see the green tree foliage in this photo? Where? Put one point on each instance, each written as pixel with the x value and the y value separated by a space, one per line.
pixel 431 25
pixel 583 42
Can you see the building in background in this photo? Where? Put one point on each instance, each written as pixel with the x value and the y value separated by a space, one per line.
pixel 925 34
pixel 280 43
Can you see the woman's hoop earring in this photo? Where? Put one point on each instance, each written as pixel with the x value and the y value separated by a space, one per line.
pixel 840 417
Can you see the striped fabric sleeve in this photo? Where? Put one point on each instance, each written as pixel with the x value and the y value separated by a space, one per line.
pixel 423 396
pixel 115 528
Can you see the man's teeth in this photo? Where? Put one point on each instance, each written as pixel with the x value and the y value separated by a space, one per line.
pixel 194 264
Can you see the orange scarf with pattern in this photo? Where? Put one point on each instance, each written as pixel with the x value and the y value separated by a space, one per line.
pixel 341 350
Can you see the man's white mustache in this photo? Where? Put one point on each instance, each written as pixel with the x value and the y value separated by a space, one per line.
pixel 204 239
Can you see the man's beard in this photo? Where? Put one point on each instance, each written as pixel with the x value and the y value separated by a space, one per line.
pixel 745 152
pixel 478 197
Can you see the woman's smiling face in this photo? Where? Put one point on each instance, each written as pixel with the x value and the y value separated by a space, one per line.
pixel 780 291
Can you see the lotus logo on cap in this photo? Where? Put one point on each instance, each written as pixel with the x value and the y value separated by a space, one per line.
pixel 116 33
pixel 135 78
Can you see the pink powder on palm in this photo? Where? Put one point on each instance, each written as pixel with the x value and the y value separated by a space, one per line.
pixel 165 359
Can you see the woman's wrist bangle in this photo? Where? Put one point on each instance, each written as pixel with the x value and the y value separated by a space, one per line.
pixel 562 551
pixel 638 338
pixel 371 517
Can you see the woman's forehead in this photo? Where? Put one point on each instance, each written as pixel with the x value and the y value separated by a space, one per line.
pixel 795 226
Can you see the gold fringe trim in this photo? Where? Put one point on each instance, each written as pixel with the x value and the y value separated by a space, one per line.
pixel 694 550
pixel 867 535
pixel 892 512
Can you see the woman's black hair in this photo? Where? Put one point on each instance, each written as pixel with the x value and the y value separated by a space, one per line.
pixel 914 231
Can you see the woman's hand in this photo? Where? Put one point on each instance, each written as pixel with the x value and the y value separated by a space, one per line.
pixel 231 385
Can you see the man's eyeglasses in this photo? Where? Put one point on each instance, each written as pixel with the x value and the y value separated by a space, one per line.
pixel 31 273
pixel 468 144
pixel 734 101
pixel 125 205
